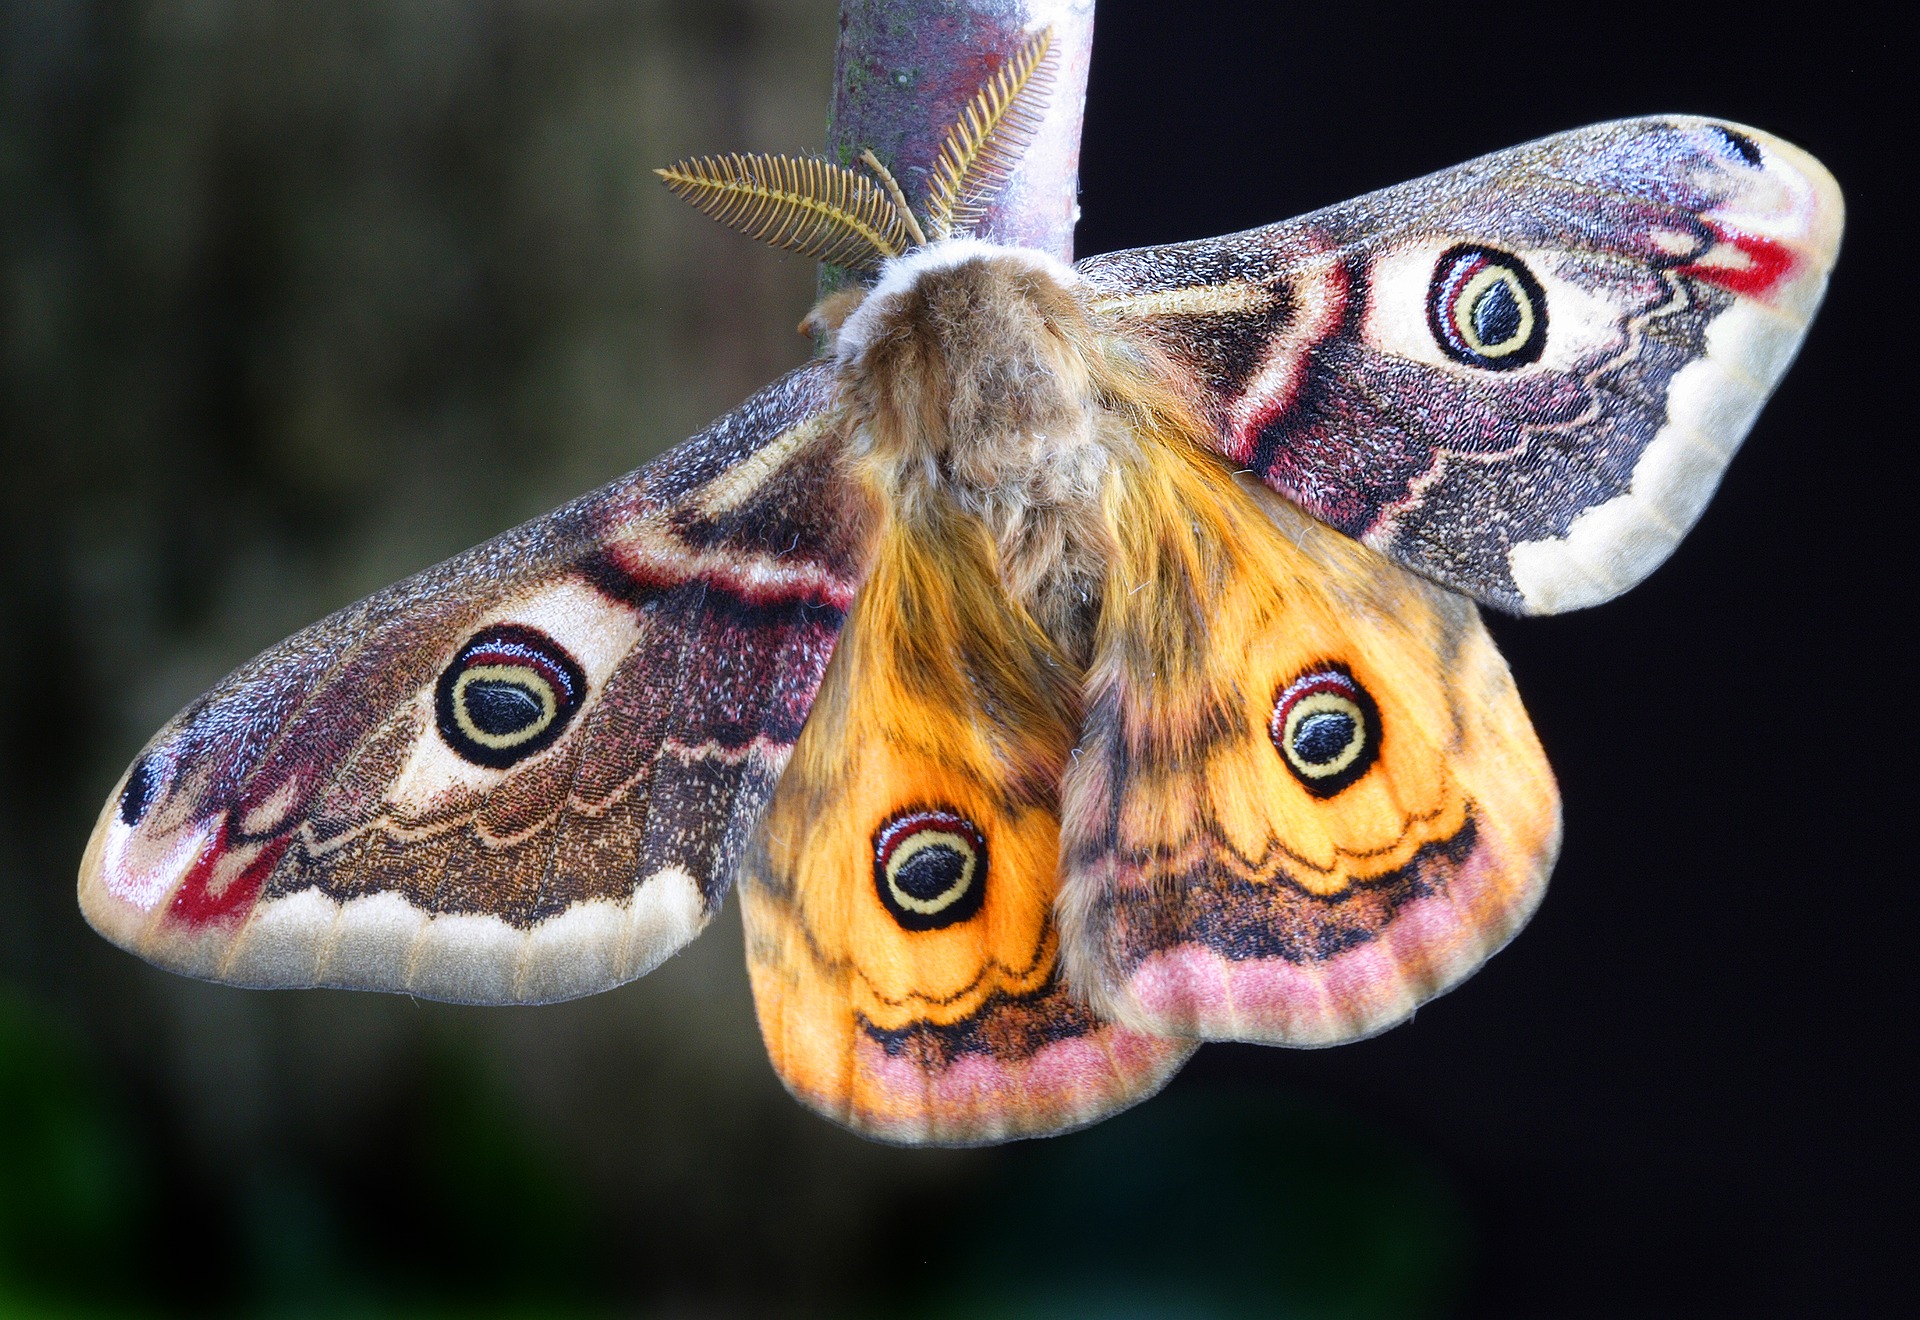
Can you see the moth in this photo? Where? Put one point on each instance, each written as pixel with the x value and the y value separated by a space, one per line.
pixel 1070 664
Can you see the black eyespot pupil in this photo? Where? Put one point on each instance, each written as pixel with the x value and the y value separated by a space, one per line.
pixel 506 695
pixel 930 868
pixel 930 873
pixel 1322 737
pixel 500 708
pixel 138 795
pixel 1496 316
pixel 1486 309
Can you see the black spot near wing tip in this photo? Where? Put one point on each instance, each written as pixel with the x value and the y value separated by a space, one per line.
pixel 143 786
pixel 1739 145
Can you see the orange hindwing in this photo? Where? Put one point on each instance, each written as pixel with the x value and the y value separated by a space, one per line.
pixel 899 898
pixel 1307 798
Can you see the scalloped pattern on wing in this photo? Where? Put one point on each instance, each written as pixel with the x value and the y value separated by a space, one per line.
pixel 1522 377
pixel 1306 797
pixel 523 775
pixel 898 898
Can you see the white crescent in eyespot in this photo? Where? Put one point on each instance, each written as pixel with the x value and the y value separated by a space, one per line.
pixel 596 632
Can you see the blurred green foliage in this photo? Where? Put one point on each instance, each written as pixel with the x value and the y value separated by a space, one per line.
pixel 297 299
pixel 1209 1202
pixel 71 1184
pixel 1215 1202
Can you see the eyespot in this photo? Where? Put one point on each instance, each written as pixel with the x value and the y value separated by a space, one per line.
pixel 1327 729
pixel 143 785
pixel 1486 309
pixel 1738 145
pixel 930 868
pixel 508 693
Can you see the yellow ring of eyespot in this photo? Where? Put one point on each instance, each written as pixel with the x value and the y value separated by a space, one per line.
pixel 1469 298
pixel 928 907
pixel 1321 703
pixel 520 676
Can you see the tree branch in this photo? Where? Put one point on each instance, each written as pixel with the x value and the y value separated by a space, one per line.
pixel 905 69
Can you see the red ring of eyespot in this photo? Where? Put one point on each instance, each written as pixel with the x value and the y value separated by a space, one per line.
pixel 1340 683
pixel 888 839
pixel 511 645
pixel 1447 292
pixel 1456 269
pixel 1325 680
pixel 500 647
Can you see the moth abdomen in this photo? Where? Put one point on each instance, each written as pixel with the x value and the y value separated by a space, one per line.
pixel 969 372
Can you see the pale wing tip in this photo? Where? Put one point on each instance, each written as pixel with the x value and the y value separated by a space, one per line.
pixel 114 918
pixel 1786 194
pixel 1788 204
pixel 123 890
pixel 378 941
pixel 1817 212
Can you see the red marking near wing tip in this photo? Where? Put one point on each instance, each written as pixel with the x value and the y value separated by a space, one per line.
pixel 196 905
pixel 1766 263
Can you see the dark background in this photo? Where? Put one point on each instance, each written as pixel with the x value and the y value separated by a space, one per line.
pixel 300 298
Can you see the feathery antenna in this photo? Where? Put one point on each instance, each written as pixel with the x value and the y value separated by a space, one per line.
pixel 984 144
pixel 844 218
pixel 811 207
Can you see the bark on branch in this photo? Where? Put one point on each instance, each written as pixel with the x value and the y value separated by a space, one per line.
pixel 905 69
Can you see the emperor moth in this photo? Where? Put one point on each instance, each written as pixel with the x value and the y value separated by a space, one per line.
pixel 1071 664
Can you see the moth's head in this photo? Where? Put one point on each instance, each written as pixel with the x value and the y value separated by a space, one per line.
pixel 822 324
pixel 962 296
pixel 963 347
